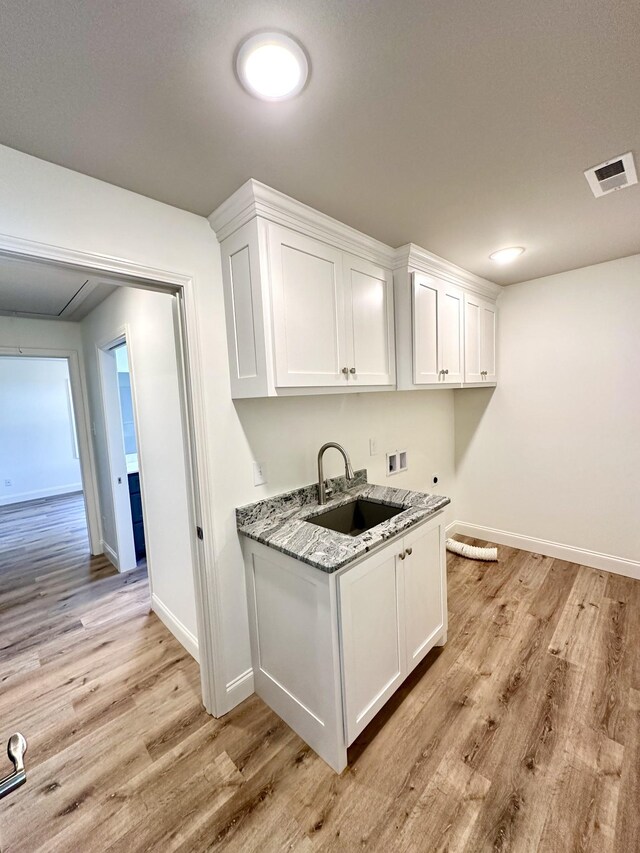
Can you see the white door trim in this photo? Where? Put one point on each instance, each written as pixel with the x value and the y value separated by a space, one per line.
pixel 80 404
pixel 210 640
pixel 124 546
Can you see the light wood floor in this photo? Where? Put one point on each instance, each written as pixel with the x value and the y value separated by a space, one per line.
pixel 522 734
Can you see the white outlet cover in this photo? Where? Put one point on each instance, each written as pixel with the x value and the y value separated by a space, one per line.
pixel 373 446
pixel 259 474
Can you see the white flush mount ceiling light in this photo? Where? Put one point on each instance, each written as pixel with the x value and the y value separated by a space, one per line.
pixel 505 256
pixel 272 66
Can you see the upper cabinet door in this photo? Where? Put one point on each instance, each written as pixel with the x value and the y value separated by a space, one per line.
pixel 480 340
pixel 308 310
pixel 426 360
pixel 368 293
pixel 488 341
pixel 450 326
pixel 472 335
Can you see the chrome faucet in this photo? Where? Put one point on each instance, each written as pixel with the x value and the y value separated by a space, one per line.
pixel 348 470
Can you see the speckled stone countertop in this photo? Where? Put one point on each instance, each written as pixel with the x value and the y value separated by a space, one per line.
pixel 281 521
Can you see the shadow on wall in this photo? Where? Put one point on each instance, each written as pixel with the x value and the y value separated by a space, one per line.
pixel 470 405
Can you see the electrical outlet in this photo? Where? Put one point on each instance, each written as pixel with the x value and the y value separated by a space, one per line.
pixel 8 484
pixel 259 474
pixel 373 446
pixel 434 479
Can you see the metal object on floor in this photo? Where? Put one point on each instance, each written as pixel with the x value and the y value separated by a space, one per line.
pixel 16 749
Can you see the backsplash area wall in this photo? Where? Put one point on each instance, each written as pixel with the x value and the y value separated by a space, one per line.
pixel 285 435
pixel 554 453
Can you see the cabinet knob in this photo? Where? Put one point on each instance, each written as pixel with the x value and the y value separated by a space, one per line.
pixel 446 371
pixel 403 555
pixel 409 551
pixel 345 370
pixel 352 370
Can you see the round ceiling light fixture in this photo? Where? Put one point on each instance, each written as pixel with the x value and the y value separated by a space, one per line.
pixel 272 66
pixel 505 256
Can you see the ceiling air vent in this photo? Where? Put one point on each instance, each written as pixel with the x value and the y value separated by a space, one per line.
pixel 612 175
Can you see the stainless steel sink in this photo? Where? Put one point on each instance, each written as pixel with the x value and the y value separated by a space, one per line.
pixel 355 517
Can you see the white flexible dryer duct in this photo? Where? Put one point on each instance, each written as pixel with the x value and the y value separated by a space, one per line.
pixel 472 552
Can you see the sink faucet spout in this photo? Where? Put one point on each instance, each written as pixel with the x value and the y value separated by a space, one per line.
pixel 348 469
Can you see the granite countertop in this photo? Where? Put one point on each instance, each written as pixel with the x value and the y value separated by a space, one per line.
pixel 281 521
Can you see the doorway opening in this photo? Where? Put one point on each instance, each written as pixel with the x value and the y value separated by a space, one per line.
pixel 129 547
pixel 42 484
pixel 84 286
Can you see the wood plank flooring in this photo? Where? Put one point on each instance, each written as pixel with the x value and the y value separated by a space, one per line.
pixel 521 734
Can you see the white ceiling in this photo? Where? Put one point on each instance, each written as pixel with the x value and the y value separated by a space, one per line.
pixel 460 125
pixel 30 289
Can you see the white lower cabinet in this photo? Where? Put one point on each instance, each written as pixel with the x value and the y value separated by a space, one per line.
pixel 371 628
pixel 329 650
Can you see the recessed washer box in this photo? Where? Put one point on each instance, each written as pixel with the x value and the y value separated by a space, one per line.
pixel 397 462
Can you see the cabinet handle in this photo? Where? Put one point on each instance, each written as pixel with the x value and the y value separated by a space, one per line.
pixel 403 555
pixel 345 370
pixel 352 370
pixel 409 551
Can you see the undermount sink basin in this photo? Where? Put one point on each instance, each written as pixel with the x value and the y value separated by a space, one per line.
pixel 355 517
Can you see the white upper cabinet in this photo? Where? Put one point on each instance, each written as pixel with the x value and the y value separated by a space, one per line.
pixel 313 306
pixel 304 314
pixel 480 340
pixel 445 333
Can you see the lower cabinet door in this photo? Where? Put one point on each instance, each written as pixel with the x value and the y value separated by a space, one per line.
pixel 371 624
pixel 424 591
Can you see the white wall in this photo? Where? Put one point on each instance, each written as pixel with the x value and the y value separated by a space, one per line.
pixel 38 448
pixel 286 434
pixel 554 452
pixel 148 319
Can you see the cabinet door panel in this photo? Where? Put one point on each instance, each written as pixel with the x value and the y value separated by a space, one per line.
pixel 450 308
pixel 425 330
pixel 424 592
pixel 472 336
pixel 371 626
pixel 308 310
pixel 369 315
pixel 488 341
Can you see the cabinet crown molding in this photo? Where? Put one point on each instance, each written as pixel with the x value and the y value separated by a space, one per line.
pixel 417 259
pixel 256 199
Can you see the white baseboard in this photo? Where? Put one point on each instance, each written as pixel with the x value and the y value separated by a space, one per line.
pixel 182 634
pixel 36 494
pixel 582 556
pixel 240 688
pixel 110 554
